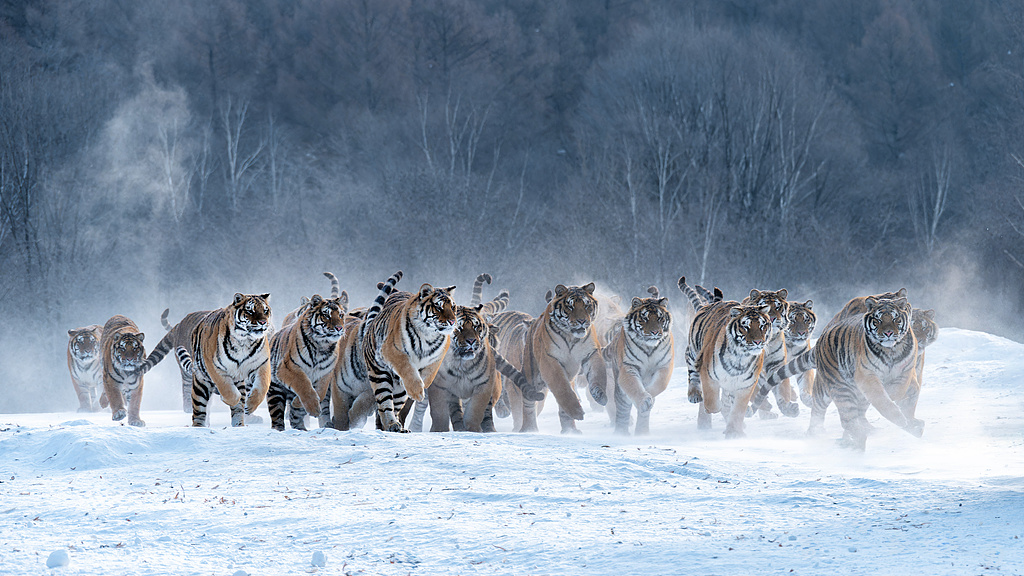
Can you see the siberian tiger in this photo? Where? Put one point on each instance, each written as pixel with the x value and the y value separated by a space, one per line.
pixel 775 350
pixel 85 363
pixel 351 392
pixel 403 348
pixel 800 324
pixel 866 359
pixel 640 354
pixel 724 356
pixel 926 331
pixel 123 355
pixel 550 351
pixel 229 348
pixel 179 335
pixel 303 355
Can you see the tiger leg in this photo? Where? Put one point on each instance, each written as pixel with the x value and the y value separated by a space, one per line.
pixel 487 424
pixel 741 399
pixel 238 410
pixel 806 382
pixel 595 370
pixel 342 404
pixel 874 391
pixel 200 398
pixel 564 392
pixel 135 404
pixel 186 389
pixel 363 406
pixel 323 389
pixel 518 406
pixel 296 413
pixel 438 404
pixel 694 391
pixel 703 417
pixel 785 397
pixel 623 408
pixel 277 401
pixel 260 384
pixel 387 395
pixel 457 415
pixel 658 385
pixel 113 392
pixel 819 403
pixel 418 413
pixel 296 380
pixel 852 408
pixel 85 393
pixel 568 422
pixel 475 411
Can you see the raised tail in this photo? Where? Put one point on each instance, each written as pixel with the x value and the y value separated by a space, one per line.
pixel 517 378
pixel 653 291
pixel 163 319
pixel 184 360
pixel 478 288
pixel 495 306
pixel 385 291
pixel 695 300
pixel 335 285
pixel 794 367
pixel 158 353
pixel 708 296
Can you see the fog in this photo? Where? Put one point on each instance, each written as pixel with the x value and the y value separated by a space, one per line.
pixel 167 156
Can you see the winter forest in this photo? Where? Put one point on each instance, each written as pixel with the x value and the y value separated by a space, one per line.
pixel 169 154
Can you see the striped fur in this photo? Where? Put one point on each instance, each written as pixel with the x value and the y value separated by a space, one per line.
pixel 123 355
pixel 696 299
pixel 709 296
pixel 403 348
pixel 640 355
pixel 351 392
pixel 85 364
pixel 864 360
pixel 478 288
pixel 926 331
pixel 230 346
pixel 800 324
pixel 303 356
pixel 511 327
pixel 179 335
pixel 775 351
pixel 556 346
pixel 725 356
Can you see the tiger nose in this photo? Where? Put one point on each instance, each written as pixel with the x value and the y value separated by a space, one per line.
pixel 470 341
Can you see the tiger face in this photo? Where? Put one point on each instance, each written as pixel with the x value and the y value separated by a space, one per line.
pixel 327 317
pixel 776 303
pixel 648 318
pixel 573 309
pixel 252 315
pixel 750 327
pixel 128 352
pixel 887 321
pixel 84 342
pixel 800 321
pixel 436 308
pixel 924 326
pixel 468 338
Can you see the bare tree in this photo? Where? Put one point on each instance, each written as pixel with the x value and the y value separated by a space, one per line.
pixel 928 199
pixel 243 166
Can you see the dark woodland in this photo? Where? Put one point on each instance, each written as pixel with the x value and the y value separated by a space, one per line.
pixel 170 154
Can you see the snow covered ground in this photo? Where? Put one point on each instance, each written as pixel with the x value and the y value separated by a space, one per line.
pixel 170 499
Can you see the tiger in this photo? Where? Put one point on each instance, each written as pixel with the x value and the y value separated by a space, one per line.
pixel 926 331
pixel 865 359
pixel 550 351
pixel 230 352
pixel 86 365
pixel 123 355
pixel 303 355
pixel 404 346
pixel 640 355
pixel 775 353
pixel 800 323
pixel 178 335
pixel 351 392
pixel 724 356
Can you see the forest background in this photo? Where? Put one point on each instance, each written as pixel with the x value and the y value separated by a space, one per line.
pixel 169 154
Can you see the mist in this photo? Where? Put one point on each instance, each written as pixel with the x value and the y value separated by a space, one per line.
pixel 163 155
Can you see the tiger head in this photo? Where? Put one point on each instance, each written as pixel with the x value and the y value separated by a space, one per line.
pixel 127 351
pixel 436 308
pixel 648 318
pixel 84 342
pixel 800 320
pixel 573 309
pixel 776 303
pixel 251 314
pixel 887 321
pixel 924 326
pixel 468 339
pixel 749 327
pixel 326 316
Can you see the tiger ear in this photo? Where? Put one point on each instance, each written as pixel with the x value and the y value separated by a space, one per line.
pixel 142 336
pixel 239 297
pixel 589 288
pixel 425 290
pixel 901 293
pixel 870 302
pixel 809 303
pixel 548 296
pixel 719 295
pixel 478 307
pixel 343 299
pixel 734 312
pixel 560 289
pixel 636 303
pixel 449 289
pixel 265 296
pixel 764 310
pixel 316 300
pixel 783 293
pixel 71 332
pixel 754 293
pixel 929 314
pixel 662 301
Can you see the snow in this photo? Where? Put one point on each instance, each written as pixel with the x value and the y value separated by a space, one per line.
pixel 170 499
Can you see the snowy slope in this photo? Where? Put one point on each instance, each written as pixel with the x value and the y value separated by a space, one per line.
pixel 170 499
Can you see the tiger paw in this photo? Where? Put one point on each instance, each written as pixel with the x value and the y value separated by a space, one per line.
pixel 119 414
pixel 646 404
pixel 137 422
pixel 734 433
pixel 694 395
pixel 599 394
pixel 253 419
pixel 767 415
pixel 915 427
pixel 789 409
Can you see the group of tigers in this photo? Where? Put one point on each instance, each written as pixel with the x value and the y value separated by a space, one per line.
pixel 468 363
